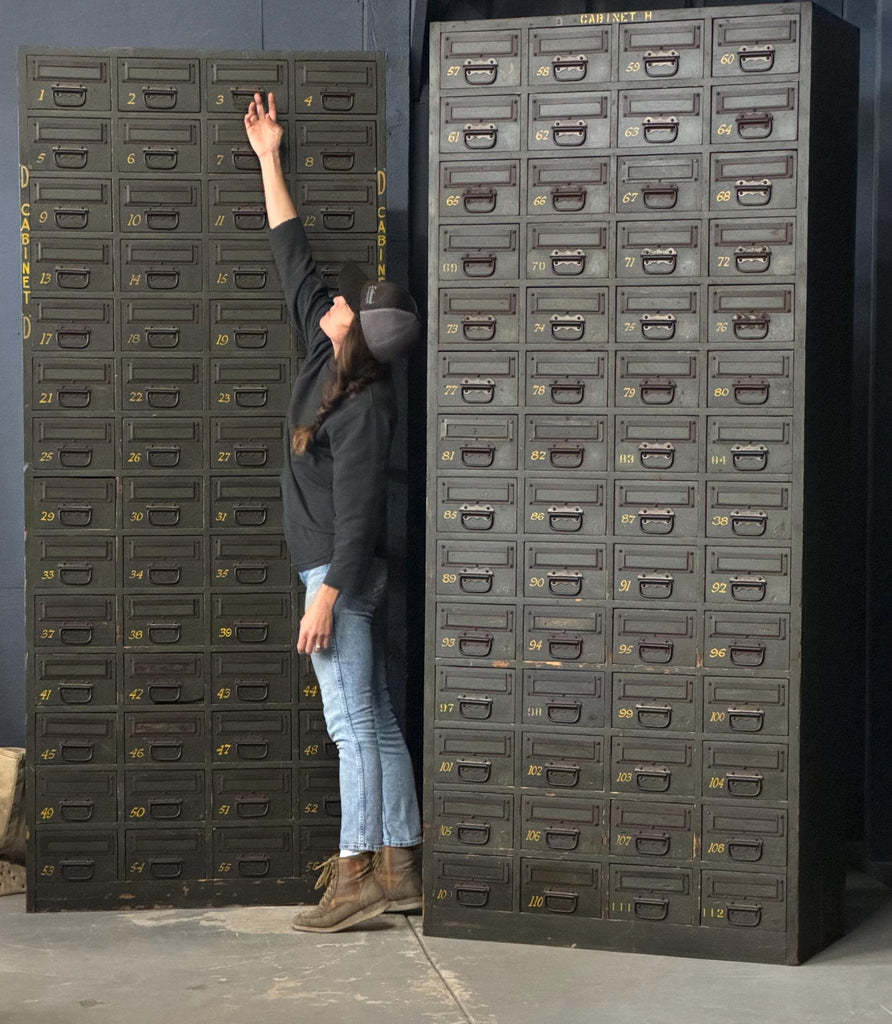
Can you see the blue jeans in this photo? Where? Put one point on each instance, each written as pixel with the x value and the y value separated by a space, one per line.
pixel 378 801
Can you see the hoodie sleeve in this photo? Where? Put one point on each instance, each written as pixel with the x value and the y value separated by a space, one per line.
pixel 361 434
pixel 305 293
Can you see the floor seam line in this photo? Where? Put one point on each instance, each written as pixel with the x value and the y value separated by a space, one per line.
pixel 469 1018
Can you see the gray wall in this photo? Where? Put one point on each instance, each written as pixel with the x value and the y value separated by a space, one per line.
pixel 164 24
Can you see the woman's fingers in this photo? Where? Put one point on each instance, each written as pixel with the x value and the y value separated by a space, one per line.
pixel 272 106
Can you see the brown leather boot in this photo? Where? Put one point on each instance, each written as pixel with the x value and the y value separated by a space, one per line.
pixel 395 870
pixel 352 894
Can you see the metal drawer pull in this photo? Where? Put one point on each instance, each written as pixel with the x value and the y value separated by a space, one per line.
pixel 751 326
pixel 69 95
pixel 250 515
pixel 744 784
pixel 164 576
pixel 338 220
pixel 564 584
pixel 481 72
pixel 472 894
pixel 749 458
pixel 650 909
pixel 655 586
pixel 162 337
pixel 256 693
pixel 562 838
pixel 473 771
pixel 76 810
pixel 252 632
pixel 163 515
pixel 76 456
pixel 748 588
pixel 166 751
pixel 659 197
pixel 70 158
pixel 76 515
pixel 760 58
pixel 74 397
pixel 569 133
pixel 565 518
pixel 257 807
pixel 338 100
pixel 479 200
pixel 566 775
pixel 76 693
pixel 659 261
pixel 569 69
pixel 748 524
pixel 477 392
pixel 569 200
pixel 165 693
pixel 163 457
pixel 747 655
pixel 746 719
pixel 477 517
pixel 753 192
pixel 76 575
pixel 745 849
pixel 165 809
pixel 742 915
pixel 249 218
pixel 479 328
pixel 654 392
pixel 73 218
pixel 478 456
pixel 563 712
pixel 480 136
pixel 162 220
pixel 254 867
pixel 652 845
pixel 752 259
pixel 159 98
pixel 567 262
pixel 249 280
pixel 164 632
pixel 77 869
pixel 567 393
pixel 565 648
pixel 658 327
pixel 76 634
pixel 755 124
pixel 250 396
pixel 476 646
pixel 251 573
pixel 337 161
pixel 561 902
pixel 73 277
pixel 244 158
pixel 251 455
pixel 653 780
pixel 479 266
pixel 475 581
pixel 253 337
pixel 656 652
pixel 660 130
pixel 568 327
pixel 566 457
pixel 661 63
pixel 656 520
pixel 77 751
pixel 257 750
pixel 74 337
pixel 653 716
pixel 478 708
pixel 656 455
pixel 165 867
pixel 752 393
pixel 472 833
pixel 162 280
pixel 163 398
pixel 158 158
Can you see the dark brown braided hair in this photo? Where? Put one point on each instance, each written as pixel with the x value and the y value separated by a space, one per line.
pixel 355 369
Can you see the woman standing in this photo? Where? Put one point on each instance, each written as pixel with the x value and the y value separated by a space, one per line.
pixel 334 488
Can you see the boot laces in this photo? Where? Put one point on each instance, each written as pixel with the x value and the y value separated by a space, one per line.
pixel 327 877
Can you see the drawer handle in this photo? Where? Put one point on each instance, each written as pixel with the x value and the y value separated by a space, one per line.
pixel 479 200
pixel 254 867
pixel 563 712
pixel 478 456
pixel 567 262
pixel 472 894
pixel 659 197
pixel 73 218
pixel 249 218
pixel 337 161
pixel 661 63
pixel 477 708
pixel 749 458
pixel 655 586
pixel 163 457
pixel 656 455
pixel 163 515
pixel 257 750
pixel 162 220
pixel 658 327
pixel 660 130
pixel 570 199
pixel 76 693
pixel 561 902
pixel 76 635
pixel 653 716
pixel 749 524
pixel 472 833
pixel 567 393
pixel 77 751
pixel 251 573
pixel 165 809
pixel 475 581
pixel 74 337
pixel 164 632
pixel 747 655
pixel 162 280
pixel 251 455
pixel 252 808
pixel 473 771
pixel 754 124
pixel 76 515
pixel 163 398
pixel 163 337
pixel 753 192
pixel 569 133
pixel 567 327
pixel 564 584
pixel 338 100
pixel 252 632
pixel 159 158
pixel 565 648
pixel 650 908
pixel 163 751
pixel 476 646
pixel 653 780
pixel 250 397
pixel 164 576
pixel 750 59
pixel 745 849
pixel 69 95
pixel 159 98
pixel 744 784
pixel 253 337
pixel 76 810
pixel 73 277
pixel 477 517
pixel 746 719
pixel 70 158
pixel 752 393
pixel 481 72
pixel 562 838
pixel 566 456
pixel 652 845
pixel 742 915
pixel 479 266
pixel 250 515
pixel 752 259
pixel 565 518
pixel 74 397
pixel 165 693
pixel 569 69
pixel 659 261
pixel 249 280
pixel 479 328
pixel 477 392
pixel 244 158
pixel 751 326
pixel 563 775
pixel 656 652
pixel 656 520
pixel 76 456
pixel 748 588
pixel 657 392
pixel 77 869
pixel 480 136
pixel 338 220
pixel 256 693
pixel 76 575
pixel 165 867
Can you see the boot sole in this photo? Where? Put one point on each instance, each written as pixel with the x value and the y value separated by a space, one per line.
pixel 410 903
pixel 361 915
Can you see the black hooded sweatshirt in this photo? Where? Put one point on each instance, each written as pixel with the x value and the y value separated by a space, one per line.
pixel 335 494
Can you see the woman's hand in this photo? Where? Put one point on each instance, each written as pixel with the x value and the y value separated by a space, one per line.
pixel 263 129
pixel 316 624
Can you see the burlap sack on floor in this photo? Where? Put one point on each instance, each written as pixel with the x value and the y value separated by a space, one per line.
pixel 12 804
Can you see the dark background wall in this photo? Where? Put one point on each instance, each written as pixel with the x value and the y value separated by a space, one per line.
pixel 397 27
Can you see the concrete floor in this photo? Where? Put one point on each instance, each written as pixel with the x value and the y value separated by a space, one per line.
pixel 245 965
